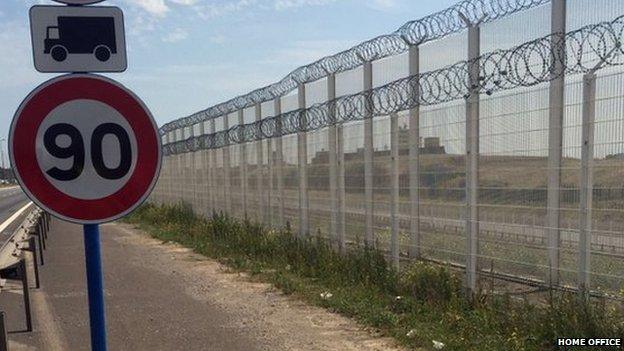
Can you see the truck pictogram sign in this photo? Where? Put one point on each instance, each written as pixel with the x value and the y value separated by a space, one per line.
pixel 78 39
pixel 81 35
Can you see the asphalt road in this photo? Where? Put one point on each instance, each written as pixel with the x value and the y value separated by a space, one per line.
pixel 146 310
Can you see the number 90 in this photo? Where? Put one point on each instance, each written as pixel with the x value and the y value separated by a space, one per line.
pixel 76 150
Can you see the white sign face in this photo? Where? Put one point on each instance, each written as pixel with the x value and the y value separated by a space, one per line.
pixel 78 2
pixel 78 39
pixel 66 127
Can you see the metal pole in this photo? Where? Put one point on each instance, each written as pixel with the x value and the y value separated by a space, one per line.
pixel 212 164
pixel 23 274
pixel 269 196
pixel 555 137
pixel 226 170
pixel 200 174
pixel 368 154
pixel 414 157
pixel 302 146
pixel 180 169
pixel 40 242
pixel 472 160
pixel 342 201
pixel 333 167
pixel 41 233
pixel 587 160
pixel 243 164
pixel 191 173
pixel 260 170
pixel 277 105
pixel 167 170
pixel 4 345
pixel 95 286
pixel 394 188
pixel 32 247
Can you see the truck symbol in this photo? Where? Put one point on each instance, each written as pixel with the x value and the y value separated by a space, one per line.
pixel 81 35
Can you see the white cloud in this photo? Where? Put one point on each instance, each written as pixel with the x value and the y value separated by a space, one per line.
pixel 210 11
pixel 306 51
pixel 288 4
pixel 155 7
pixel 383 5
pixel 175 36
pixel 184 2
pixel 217 39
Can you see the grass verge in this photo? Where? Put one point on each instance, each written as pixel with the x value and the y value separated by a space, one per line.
pixel 421 304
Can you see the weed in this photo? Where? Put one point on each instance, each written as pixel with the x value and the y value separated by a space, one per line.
pixel 422 303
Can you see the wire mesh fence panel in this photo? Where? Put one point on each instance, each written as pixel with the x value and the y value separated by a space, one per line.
pixel 290 169
pixel 467 129
pixel 512 183
pixel 318 166
pixel 442 182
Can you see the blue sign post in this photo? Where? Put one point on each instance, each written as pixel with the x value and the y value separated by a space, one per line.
pixel 95 286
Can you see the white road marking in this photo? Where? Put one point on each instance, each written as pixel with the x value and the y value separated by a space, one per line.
pixel 8 222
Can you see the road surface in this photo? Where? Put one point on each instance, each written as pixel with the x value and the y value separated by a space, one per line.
pixel 164 297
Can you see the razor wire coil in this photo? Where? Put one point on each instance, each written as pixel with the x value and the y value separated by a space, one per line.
pixel 526 65
pixel 415 32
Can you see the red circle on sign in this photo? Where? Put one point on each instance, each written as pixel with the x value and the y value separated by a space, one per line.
pixel 23 142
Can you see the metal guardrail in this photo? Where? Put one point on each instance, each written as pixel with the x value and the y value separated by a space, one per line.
pixel 30 236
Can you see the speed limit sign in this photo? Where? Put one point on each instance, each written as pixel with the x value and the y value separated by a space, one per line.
pixel 85 148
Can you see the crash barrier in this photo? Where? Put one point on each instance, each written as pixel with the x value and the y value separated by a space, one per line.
pixel 30 236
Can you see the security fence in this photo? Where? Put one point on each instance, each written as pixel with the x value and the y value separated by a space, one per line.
pixel 489 136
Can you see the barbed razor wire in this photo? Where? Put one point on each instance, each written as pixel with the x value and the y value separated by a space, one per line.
pixel 525 65
pixel 434 26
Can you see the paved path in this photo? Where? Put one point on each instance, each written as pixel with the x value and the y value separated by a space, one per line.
pixel 163 297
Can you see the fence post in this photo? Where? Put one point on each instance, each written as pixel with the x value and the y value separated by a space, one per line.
pixel 183 169
pixel 368 153
pixel 302 148
pixel 333 167
pixel 203 201
pixel 555 137
pixel 191 172
pixel 226 168
pixel 342 199
pixel 472 157
pixel 587 160
pixel 277 106
pixel 259 169
pixel 394 186
pixel 164 178
pixel 269 192
pixel 414 156
pixel 212 164
pixel 179 136
pixel 243 163
pixel 171 161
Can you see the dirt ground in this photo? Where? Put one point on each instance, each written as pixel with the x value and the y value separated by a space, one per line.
pixel 276 321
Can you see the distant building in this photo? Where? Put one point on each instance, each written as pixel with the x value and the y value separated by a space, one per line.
pixel 615 156
pixel 431 147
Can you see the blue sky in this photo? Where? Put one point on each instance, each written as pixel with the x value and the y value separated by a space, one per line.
pixel 186 55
